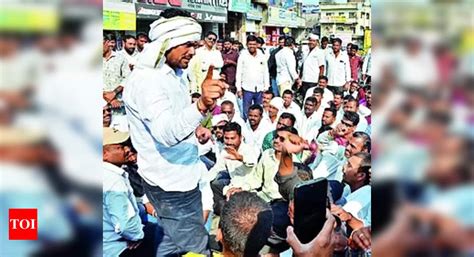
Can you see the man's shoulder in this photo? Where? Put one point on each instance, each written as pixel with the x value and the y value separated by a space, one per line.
pixel 270 134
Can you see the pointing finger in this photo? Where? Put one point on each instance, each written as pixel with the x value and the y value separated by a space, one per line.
pixel 210 72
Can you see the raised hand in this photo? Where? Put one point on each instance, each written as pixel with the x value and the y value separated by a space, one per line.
pixel 233 154
pixel 212 89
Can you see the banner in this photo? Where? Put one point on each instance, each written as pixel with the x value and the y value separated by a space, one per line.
pixel 280 17
pixel 241 6
pixel 255 13
pixel 29 17
pixel 367 39
pixel 152 12
pixel 119 16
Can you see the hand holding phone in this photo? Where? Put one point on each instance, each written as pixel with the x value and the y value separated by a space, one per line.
pixel 310 203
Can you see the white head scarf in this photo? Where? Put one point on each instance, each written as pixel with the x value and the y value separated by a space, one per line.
pixel 277 102
pixel 166 34
pixel 313 36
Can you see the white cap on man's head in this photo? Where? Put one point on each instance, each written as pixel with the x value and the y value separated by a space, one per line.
pixel 113 136
pixel 216 119
pixel 277 102
pixel 313 36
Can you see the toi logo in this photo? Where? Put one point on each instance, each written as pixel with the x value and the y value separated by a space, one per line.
pixel 22 224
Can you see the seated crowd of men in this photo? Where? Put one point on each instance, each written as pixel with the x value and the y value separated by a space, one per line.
pixel 246 188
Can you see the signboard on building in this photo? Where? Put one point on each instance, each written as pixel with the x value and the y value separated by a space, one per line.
pixel 311 9
pixel 367 39
pixel 119 16
pixel 255 13
pixel 241 6
pixel 24 17
pixel 280 17
pixel 202 10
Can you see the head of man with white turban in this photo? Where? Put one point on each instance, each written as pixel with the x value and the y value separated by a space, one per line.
pixel 313 41
pixel 276 105
pixel 174 38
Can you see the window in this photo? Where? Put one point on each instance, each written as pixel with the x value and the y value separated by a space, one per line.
pixel 329 14
pixel 368 16
pixel 341 14
pixel 352 15
pixel 353 30
pixel 340 28
pixel 362 14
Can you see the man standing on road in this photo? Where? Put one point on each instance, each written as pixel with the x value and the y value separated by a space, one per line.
pixel 313 67
pixel 272 65
pixel 252 76
pixel 230 58
pixel 164 126
pixel 205 57
pixel 339 67
pixel 286 66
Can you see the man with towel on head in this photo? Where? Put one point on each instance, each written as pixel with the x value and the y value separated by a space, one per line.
pixel 163 127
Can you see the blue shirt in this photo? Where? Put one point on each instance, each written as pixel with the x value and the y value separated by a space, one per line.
pixel 121 222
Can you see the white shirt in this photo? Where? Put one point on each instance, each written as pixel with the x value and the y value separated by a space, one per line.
pixel 207 197
pixel 416 71
pixel 229 96
pixel 199 65
pixel 238 170
pixel 363 124
pixel 328 96
pixel 293 109
pixel 286 66
pixel 329 160
pixel 162 124
pixel 367 65
pixel 338 69
pixel 311 65
pixel 131 59
pixel 257 136
pixel 245 132
pixel 252 72
pixel 308 124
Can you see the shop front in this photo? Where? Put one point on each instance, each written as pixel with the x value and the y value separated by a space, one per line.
pixel 253 21
pixel 236 26
pixel 279 22
pixel 212 15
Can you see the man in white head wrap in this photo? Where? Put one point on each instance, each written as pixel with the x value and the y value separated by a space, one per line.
pixel 164 125
pixel 313 67
pixel 276 104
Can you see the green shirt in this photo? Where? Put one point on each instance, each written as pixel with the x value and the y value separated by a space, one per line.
pixel 268 141
pixel 262 178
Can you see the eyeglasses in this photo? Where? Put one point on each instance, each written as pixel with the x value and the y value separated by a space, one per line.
pixel 347 124
pixel 279 138
pixel 212 39
pixel 218 127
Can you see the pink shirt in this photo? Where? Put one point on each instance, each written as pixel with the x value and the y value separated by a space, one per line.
pixel 356 65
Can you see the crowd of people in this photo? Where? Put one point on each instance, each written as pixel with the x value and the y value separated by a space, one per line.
pixel 201 130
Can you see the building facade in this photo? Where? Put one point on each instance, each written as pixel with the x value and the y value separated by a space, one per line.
pixel 348 21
